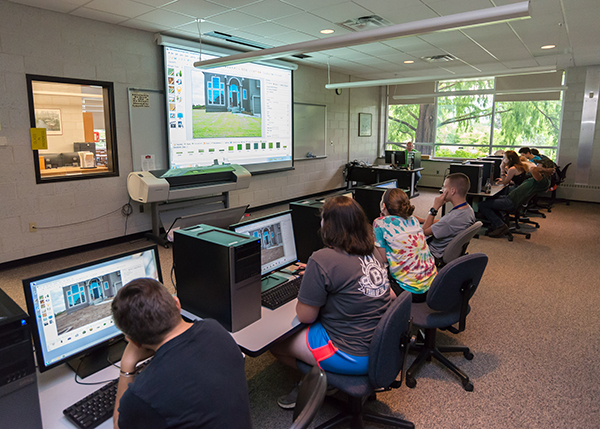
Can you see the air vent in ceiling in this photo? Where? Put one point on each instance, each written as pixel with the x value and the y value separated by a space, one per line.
pixel 364 23
pixel 301 56
pixel 438 58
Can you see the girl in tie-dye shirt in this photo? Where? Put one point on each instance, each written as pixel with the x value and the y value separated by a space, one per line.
pixel 401 236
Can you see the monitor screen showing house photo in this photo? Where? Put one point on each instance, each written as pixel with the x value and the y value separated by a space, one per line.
pixel 239 114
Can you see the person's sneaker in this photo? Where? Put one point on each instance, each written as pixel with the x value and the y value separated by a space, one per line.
pixel 288 402
pixel 499 232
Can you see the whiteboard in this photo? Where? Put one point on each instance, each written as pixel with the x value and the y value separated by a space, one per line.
pixel 310 130
pixel 148 129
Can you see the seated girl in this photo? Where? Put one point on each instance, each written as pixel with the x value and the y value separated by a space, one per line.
pixel 344 293
pixel 400 237
pixel 516 170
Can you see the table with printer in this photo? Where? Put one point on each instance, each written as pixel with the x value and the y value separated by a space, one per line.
pixel 184 191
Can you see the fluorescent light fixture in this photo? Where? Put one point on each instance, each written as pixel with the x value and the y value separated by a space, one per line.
pixel 415 79
pixel 548 46
pixel 451 22
pixel 409 62
pixel 327 31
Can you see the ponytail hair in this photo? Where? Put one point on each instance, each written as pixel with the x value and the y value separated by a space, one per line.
pixel 397 203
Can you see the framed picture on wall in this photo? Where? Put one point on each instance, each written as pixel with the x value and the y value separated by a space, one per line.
pixel 364 124
pixel 49 119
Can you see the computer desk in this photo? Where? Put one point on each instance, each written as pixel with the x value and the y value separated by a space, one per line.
pixel 381 173
pixel 258 337
pixel 58 390
pixel 473 198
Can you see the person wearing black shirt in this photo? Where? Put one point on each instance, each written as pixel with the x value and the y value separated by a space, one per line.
pixel 196 378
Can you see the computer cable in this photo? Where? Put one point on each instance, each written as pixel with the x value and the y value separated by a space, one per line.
pixel 126 211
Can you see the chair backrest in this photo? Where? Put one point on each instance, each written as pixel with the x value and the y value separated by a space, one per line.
pixel 458 245
pixel 310 397
pixel 444 293
pixel 563 173
pixel 387 346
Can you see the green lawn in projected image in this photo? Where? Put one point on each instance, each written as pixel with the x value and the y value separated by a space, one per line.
pixel 224 124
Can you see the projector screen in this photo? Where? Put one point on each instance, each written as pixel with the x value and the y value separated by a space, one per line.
pixel 240 114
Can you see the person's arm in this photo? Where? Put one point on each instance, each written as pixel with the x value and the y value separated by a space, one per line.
pixel 307 313
pixel 131 356
pixel 438 202
pixel 512 171
pixel 536 173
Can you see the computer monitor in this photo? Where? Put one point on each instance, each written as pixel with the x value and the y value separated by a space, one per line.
pixel 71 310
pixel 497 163
pixel 276 234
pixel 388 184
pixel 395 157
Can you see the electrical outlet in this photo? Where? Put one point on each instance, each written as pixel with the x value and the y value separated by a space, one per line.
pixel 32 227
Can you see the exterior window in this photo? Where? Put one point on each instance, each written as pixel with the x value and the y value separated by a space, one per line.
pixel 78 116
pixel 473 117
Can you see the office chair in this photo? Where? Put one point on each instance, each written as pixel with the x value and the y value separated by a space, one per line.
pixel 310 397
pixel 458 245
pixel 518 217
pixel 562 175
pixel 447 304
pixel 387 358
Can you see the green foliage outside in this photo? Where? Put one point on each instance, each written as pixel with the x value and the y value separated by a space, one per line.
pixel 466 120
pixel 224 124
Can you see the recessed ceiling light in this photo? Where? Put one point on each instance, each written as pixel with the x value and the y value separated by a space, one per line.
pixel 327 31
pixel 408 62
pixel 548 46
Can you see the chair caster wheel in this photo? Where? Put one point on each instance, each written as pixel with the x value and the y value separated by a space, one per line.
pixel 468 386
pixel 468 355
pixel 528 236
pixel 510 238
pixel 538 225
pixel 543 216
pixel 411 382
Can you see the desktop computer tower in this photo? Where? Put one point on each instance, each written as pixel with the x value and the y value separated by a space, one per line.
pixel 473 172
pixel 306 218
pixel 19 400
pixel 488 170
pixel 218 275
pixel 369 198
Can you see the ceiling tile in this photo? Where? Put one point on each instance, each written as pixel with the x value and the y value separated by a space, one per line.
pixel 126 8
pixel 407 44
pixel 205 27
pixel 144 25
pixel 451 7
pixel 267 29
pixel 155 3
pixel 306 23
pixel 99 16
pixel 375 49
pixel 64 6
pixel 294 37
pixel 393 12
pixel 234 3
pixel 341 12
pixel 270 9
pixel 236 19
pixel 311 4
pixel 196 8
pixel 164 17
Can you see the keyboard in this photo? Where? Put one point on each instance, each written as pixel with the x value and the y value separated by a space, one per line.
pixel 98 406
pixel 281 294
pixel 95 408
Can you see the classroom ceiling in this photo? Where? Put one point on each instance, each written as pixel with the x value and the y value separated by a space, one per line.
pixel 571 25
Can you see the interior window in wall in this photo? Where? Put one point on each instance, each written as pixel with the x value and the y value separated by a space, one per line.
pixel 80 125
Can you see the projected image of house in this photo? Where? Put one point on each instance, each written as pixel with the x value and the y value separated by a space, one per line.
pixel 226 106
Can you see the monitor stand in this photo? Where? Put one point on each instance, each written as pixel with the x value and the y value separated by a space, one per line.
pixel 99 359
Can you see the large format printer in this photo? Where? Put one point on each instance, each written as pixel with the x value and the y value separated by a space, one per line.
pixel 183 183
pixel 185 191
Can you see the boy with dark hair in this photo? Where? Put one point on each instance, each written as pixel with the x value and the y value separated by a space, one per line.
pixel 458 219
pixel 196 378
